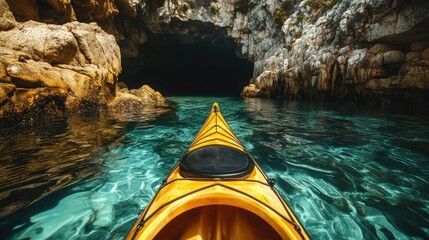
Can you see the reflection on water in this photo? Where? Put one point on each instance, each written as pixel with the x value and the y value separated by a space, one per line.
pixel 39 160
pixel 348 173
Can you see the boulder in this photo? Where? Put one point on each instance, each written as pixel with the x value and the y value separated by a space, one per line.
pixel 418 46
pixel 8 88
pixel 413 75
pixel 137 100
pixel 9 56
pixel 126 8
pixel 149 96
pixel 3 96
pixel 90 85
pixel 392 57
pixel 410 56
pixel 251 91
pixel 95 47
pixel 3 74
pixel 122 85
pixel 378 84
pixel 64 11
pixel 125 102
pixel 379 47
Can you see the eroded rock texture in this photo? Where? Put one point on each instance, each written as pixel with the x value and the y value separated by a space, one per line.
pixel 51 64
pixel 58 67
pixel 368 51
pixel 360 50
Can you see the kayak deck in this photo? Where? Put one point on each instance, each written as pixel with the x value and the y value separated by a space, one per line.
pixel 207 201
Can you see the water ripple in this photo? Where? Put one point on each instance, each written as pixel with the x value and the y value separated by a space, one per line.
pixel 346 173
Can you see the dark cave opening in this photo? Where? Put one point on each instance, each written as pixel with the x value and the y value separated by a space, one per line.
pixel 175 68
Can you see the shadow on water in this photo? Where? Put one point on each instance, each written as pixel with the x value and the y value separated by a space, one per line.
pixel 39 160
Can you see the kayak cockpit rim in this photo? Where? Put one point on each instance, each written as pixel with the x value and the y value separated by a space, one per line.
pixel 246 198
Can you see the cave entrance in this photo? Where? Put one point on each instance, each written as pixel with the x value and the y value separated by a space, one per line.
pixel 175 68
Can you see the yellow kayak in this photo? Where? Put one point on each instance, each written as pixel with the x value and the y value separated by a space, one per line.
pixel 217 191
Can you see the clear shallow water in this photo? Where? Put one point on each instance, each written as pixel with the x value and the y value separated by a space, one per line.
pixel 348 173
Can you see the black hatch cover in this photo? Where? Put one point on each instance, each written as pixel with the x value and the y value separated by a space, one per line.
pixel 216 162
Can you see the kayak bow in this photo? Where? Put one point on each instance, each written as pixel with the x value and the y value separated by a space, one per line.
pixel 217 191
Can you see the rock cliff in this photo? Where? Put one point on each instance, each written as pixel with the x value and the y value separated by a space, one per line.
pixel 367 51
pixel 65 53
pixel 52 65
pixel 360 51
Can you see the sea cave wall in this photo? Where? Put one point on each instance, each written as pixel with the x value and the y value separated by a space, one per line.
pixel 372 52
pixel 62 57
pixel 67 56
pixel 361 51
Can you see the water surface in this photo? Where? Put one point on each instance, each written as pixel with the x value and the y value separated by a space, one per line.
pixel 347 172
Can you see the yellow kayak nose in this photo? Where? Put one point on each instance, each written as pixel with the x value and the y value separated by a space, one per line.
pixel 217 191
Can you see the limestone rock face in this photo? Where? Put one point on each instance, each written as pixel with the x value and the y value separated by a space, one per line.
pixel 26 105
pixel 50 70
pixel 345 50
pixel 95 9
pixel 113 16
pixel 126 8
pixel 33 74
pixel 48 43
pixel 51 11
pixel 23 10
pixel 7 20
pixel 357 50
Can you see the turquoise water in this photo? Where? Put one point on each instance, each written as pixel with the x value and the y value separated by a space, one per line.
pixel 347 172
